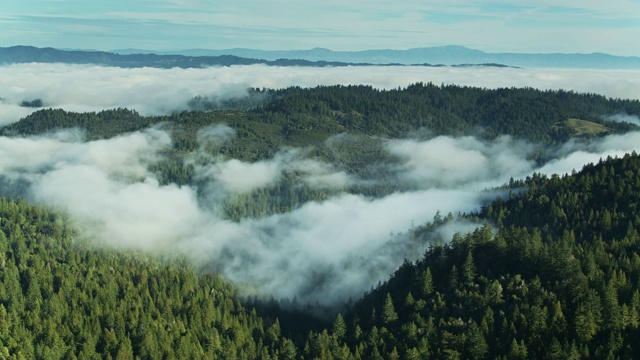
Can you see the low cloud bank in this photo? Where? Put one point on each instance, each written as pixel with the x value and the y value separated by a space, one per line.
pixel 323 251
pixel 451 162
pixel 632 119
pixel 153 91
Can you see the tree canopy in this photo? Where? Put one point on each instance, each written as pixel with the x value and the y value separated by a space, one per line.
pixel 553 273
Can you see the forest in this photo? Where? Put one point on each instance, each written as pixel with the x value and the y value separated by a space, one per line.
pixel 549 269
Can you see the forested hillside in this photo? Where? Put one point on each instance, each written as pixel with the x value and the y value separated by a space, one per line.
pixel 554 272
pixel 558 279
pixel 267 120
pixel 63 299
pixel 302 116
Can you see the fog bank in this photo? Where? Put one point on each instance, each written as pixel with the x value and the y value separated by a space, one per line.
pixel 323 251
pixel 153 91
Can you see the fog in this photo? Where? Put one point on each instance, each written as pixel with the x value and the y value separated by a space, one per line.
pixel 632 119
pixel 325 251
pixel 451 162
pixel 154 91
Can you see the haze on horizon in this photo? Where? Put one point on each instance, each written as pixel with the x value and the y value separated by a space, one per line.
pixel 540 26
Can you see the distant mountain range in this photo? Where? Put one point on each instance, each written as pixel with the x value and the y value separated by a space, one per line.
pixel 29 54
pixel 445 55
pixel 318 57
pixel 140 58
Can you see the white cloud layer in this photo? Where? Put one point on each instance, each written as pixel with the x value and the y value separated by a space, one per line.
pixel 322 251
pixel 158 91
pixel 451 162
pixel 632 119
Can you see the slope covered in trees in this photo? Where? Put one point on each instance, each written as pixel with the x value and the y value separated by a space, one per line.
pixel 267 120
pixel 64 299
pixel 302 116
pixel 558 278
pixel 447 110
pixel 554 273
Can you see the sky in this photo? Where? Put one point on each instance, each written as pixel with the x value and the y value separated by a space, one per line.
pixel 538 26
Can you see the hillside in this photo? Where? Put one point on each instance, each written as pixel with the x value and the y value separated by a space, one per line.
pixel 558 279
pixel 582 127
pixel 253 228
pixel 64 299
pixel 301 116
pixel 268 120
pixel 552 282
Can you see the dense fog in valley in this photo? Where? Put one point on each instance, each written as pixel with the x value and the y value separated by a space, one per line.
pixel 324 251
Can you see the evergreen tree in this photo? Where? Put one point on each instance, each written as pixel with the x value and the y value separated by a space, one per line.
pixel 339 327
pixel 389 314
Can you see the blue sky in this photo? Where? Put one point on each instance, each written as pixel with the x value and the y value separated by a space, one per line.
pixel 544 26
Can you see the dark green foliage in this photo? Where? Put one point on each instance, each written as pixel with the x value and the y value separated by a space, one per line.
pixel 445 110
pixel 558 277
pixel 104 124
pixel 36 103
pixel 269 120
pixel 253 99
pixel 62 299
pixel 549 284
pixel 303 117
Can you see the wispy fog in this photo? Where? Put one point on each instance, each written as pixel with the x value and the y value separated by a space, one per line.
pixel 323 251
pixel 158 91
pixel 452 162
pixel 632 119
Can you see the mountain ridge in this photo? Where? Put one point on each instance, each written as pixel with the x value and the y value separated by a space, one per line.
pixel 451 55
pixel 30 54
pixel 446 55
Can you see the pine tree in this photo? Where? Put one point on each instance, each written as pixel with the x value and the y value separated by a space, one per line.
pixel 389 314
pixel 585 324
pixel 468 270
pixel 339 327
pixel 427 283
pixel 476 342
pixel 517 350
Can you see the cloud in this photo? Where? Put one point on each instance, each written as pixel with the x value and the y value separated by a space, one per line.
pixel 160 91
pixel 105 187
pixel 575 154
pixel 337 248
pixel 317 174
pixel 450 162
pixel 324 251
pixel 103 184
pixel 225 177
pixel 125 215
pixel 241 177
pixel 10 113
pixel 632 119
